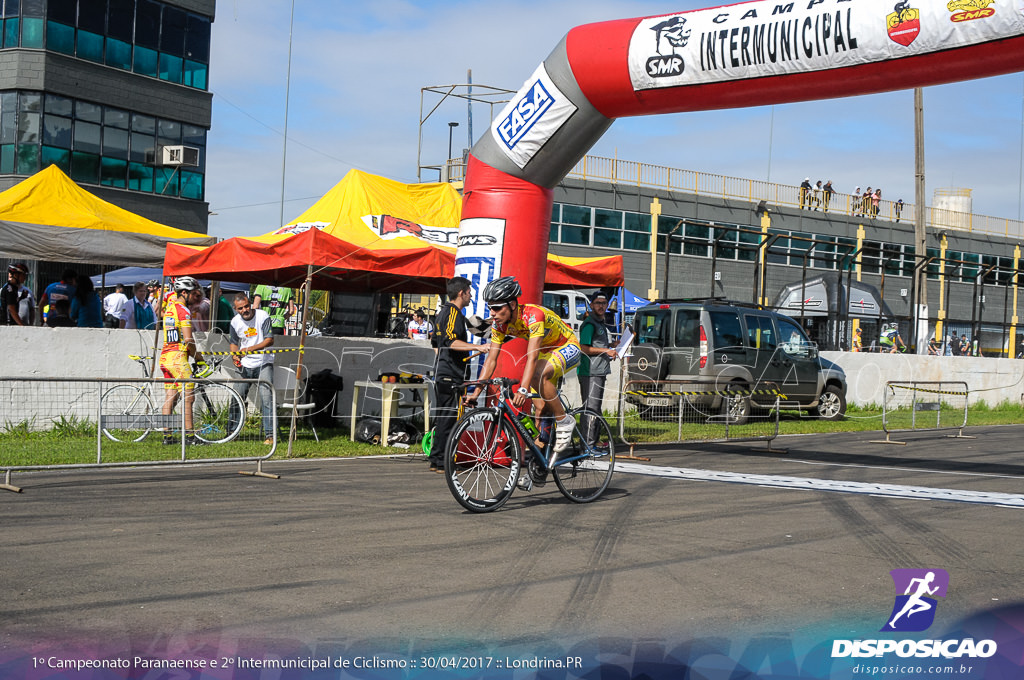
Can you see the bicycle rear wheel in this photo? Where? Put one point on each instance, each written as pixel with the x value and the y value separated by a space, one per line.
pixel 583 471
pixel 482 461
pixel 218 413
pixel 128 409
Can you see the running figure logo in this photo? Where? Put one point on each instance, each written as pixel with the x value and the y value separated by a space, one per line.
pixel 914 609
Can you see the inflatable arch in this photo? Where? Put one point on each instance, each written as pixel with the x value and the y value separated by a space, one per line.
pixel 748 54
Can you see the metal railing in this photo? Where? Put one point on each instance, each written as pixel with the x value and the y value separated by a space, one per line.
pixel 65 423
pixel 914 406
pixel 753 191
pixel 661 412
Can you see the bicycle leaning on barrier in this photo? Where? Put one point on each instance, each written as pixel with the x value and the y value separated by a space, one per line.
pixel 485 457
pixel 218 413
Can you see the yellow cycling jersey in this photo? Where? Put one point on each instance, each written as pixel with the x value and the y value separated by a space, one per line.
pixel 534 321
pixel 176 318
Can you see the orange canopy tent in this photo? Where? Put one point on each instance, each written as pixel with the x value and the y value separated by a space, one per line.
pixel 368 233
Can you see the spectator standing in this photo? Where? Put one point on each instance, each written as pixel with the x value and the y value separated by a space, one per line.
pixel 954 345
pixel 419 328
pixel 826 193
pixel 17 302
pixel 816 196
pixel 865 203
pixel 200 312
pixel 277 302
pixel 876 201
pixel 595 363
pixel 113 307
pixel 899 209
pixel 450 366
pixel 251 331
pixel 805 193
pixel 857 346
pixel 86 306
pixel 138 312
pixel 60 315
pixel 855 202
pixel 60 290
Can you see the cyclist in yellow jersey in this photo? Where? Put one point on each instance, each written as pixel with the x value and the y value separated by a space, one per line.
pixel 553 350
pixel 179 347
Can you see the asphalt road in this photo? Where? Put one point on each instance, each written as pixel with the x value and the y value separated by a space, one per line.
pixel 376 552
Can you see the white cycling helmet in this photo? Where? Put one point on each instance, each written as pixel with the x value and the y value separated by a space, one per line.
pixel 183 283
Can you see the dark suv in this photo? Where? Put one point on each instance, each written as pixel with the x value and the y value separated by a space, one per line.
pixel 734 345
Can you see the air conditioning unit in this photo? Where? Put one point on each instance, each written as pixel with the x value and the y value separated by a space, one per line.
pixel 179 155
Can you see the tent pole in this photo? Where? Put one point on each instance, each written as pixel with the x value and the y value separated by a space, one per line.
pixel 302 349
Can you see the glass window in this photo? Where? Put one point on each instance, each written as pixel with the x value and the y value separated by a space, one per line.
pixel 113 172
pixel 90 46
pixel 909 260
pixel 779 248
pixel 193 135
pixel 1005 270
pixel 32 33
pixel 845 247
pixel 971 272
pixel 726 330
pixel 166 181
pixel 64 11
pixel 579 236
pixel 799 244
pixel 667 226
pixel 750 240
pixel 559 304
pixel 28 159
pixel 870 257
pixel 142 148
pixel 197 39
pixel 168 133
pixel 791 338
pixel 696 242
pixel 115 143
pixel 574 214
pixel 11 32
pixel 724 238
pixel 60 37
pixel 140 177
pixel 119 54
pixel 61 106
pixel 892 259
pixel 121 20
pixel 760 332
pixel 687 327
pixel 92 16
pixel 85 167
pixel 8 127
pixel 170 68
pixel 553 234
pixel 147 24
pixel 652 327
pixel 32 8
pixel 116 118
pixel 632 240
pixel 609 219
pixel 191 185
pixel 172 32
pixel 87 137
pixel 28 128
pixel 195 74
pixel 10 8
pixel 7 157
pixel 142 123
pixel 91 113
pixel 145 61
pixel 57 131
pixel 637 222
pixel 606 238
pixel 556 212
pixel 30 101
pixel 59 157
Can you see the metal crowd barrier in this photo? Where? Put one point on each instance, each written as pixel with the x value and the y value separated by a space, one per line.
pixel 67 423
pixel 914 405
pixel 659 412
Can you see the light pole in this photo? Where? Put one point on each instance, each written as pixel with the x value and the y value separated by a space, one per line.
pixel 451 128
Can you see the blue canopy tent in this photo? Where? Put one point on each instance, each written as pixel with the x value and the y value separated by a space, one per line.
pixel 130 275
pixel 626 304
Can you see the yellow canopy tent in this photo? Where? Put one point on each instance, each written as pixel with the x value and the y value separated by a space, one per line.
pixel 49 217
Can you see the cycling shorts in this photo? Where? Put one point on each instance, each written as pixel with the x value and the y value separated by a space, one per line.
pixel 175 367
pixel 563 358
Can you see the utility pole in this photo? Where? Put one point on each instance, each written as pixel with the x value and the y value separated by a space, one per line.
pixel 920 237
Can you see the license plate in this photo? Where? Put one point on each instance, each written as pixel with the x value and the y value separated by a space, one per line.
pixel 659 401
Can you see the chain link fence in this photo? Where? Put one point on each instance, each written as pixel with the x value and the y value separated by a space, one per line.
pixel 910 405
pixel 660 412
pixel 48 423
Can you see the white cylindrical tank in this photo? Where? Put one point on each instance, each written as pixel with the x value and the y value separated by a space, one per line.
pixel 952 207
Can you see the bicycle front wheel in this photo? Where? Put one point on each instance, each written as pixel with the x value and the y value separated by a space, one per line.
pixel 218 413
pixel 583 471
pixel 482 461
pixel 126 412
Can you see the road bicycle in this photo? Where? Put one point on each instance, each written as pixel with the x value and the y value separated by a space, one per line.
pixel 485 455
pixel 218 412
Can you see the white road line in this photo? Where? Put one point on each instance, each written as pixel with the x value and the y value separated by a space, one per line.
pixel 809 484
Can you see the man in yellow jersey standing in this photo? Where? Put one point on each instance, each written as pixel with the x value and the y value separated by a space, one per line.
pixel 552 351
pixel 179 347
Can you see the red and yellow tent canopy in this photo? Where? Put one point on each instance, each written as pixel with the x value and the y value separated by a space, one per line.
pixel 367 233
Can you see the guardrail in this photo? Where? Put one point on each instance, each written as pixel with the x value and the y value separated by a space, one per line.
pixel 659 412
pixel 914 406
pixel 66 423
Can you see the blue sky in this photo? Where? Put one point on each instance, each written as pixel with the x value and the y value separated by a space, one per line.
pixel 358 68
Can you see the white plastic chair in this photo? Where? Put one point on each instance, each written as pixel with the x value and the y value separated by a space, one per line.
pixel 284 386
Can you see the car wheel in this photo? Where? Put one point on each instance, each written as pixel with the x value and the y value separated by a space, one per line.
pixel 736 411
pixel 831 404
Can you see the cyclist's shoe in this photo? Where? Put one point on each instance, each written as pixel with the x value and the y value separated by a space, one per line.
pixel 193 440
pixel 169 440
pixel 563 433
pixel 525 482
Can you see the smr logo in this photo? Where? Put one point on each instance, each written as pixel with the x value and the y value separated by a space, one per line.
pixel 671 31
pixel 914 609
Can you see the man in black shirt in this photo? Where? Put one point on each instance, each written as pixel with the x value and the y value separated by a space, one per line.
pixel 450 370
